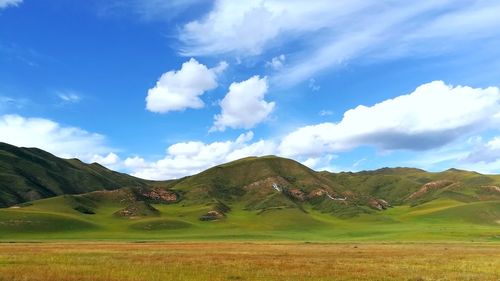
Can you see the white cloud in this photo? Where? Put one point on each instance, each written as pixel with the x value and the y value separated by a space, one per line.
pixel 108 160
pixel 320 163
pixel 276 63
pixel 249 26
pixel 485 153
pixel 187 158
pixel 244 105
pixel 178 90
pixel 68 96
pixel 135 163
pixel 358 163
pixel 63 141
pixel 337 32
pixel 7 3
pixel 431 116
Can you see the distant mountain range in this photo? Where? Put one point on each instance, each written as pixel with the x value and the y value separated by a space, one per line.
pixel 243 192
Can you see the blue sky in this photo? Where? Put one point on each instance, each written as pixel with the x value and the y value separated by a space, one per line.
pixel 163 89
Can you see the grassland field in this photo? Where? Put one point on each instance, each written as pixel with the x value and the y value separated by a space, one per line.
pixel 434 241
pixel 451 232
pixel 214 261
pixel 439 220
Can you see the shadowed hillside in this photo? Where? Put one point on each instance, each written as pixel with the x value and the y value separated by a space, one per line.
pixel 28 174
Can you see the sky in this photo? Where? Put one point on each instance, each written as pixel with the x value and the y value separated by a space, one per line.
pixel 164 89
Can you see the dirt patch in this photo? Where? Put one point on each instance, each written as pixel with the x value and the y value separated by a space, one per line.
pixel 433 185
pixel 492 188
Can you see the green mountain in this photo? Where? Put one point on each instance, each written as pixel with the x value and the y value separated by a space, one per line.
pixel 28 174
pixel 252 198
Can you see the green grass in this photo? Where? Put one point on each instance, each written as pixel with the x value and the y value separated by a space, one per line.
pixel 439 220
pixel 241 191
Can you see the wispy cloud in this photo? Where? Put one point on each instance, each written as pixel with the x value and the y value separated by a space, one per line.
pixel 313 86
pixel 69 96
pixel 9 3
pixel 9 103
pixel 334 33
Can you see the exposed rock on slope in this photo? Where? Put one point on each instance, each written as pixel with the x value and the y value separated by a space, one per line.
pixel 429 187
pixel 378 204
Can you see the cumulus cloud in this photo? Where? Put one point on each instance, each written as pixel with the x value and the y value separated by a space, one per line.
pixel 63 141
pixel 181 89
pixel 433 115
pixel 108 160
pixel 320 163
pixel 7 3
pixel 187 158
pixel 339 31
pixel 276 63
pixel 244 105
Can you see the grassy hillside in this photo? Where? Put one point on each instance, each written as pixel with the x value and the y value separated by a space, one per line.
pixel 440 220
pixel 253 198
pixel 28 174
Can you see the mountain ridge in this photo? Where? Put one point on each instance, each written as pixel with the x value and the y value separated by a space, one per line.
pixel 261 197
pixel 30 173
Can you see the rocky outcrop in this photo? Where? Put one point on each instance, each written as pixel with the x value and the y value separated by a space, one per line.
pixel 317 193
pixel 296 194
pixel 212 215
pixel 159 195
pixel 378 204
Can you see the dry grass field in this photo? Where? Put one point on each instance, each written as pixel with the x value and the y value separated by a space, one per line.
pixel 247 261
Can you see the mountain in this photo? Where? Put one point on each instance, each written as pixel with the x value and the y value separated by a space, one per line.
pixel 252 198
pixel 28 174
pixel 249 183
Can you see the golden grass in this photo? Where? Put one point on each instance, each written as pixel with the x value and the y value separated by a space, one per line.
pixel 247 261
